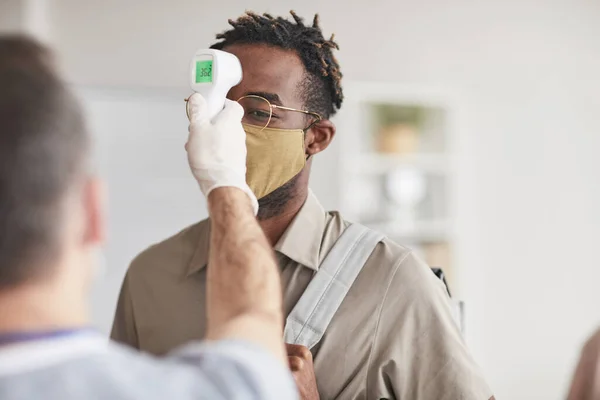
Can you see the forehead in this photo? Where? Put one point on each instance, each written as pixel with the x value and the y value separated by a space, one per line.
pixel 270 70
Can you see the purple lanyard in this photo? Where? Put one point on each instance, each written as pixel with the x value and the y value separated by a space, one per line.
pixel 30 336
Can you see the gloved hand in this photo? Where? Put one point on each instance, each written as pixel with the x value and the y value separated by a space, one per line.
pixel 217 149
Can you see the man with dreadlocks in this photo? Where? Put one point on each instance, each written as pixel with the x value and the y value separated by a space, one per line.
pixel 391 335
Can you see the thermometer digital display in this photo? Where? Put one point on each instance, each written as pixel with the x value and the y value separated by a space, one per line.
pixel 204 71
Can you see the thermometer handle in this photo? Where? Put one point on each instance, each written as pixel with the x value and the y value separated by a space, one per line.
pixel 217 101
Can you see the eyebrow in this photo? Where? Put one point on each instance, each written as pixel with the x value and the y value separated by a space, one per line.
pixel 272 97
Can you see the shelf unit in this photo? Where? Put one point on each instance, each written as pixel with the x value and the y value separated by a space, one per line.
pixel 397 166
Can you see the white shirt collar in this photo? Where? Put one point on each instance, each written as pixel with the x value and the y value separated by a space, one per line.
pixel 28 356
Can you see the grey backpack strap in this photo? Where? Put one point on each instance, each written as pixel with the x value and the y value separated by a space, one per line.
pixel 309 319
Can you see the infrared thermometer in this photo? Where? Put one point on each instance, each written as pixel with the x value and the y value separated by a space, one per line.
pixel 212 74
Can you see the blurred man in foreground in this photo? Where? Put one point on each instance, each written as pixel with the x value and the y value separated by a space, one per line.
pixel 51 221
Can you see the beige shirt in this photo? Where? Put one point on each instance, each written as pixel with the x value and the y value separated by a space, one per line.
pixel 393 336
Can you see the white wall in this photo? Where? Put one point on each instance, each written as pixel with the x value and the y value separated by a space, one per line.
pixel 527 71
pixel 26 16
pixel 139 139
pixel 11 15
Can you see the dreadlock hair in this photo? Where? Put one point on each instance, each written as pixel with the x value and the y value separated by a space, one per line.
pixel 322 89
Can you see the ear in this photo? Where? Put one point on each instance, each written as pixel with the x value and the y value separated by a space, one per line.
pixel 94 206
pixel 319 137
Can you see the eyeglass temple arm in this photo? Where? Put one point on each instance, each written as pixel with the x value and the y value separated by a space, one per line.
pixel 314 114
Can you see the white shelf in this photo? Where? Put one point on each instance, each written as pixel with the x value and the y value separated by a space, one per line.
pixel 421 232
pixel 363 171
pixel 380 163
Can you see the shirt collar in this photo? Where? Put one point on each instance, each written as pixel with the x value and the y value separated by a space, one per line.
pixel 34 355
pixel 300 242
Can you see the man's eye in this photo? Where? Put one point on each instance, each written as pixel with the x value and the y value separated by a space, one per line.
pixel 260 114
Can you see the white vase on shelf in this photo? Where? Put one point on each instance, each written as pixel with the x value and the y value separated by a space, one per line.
pixel 406 188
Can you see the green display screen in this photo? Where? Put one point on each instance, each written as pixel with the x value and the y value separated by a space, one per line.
pixel 204 71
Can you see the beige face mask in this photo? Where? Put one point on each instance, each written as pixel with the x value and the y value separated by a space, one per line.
pixel 274 157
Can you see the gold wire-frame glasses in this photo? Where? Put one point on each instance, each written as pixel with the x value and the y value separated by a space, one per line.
pixel 249 102
pixel 271 107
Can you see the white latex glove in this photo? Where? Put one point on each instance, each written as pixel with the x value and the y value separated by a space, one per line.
pixel 217 149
